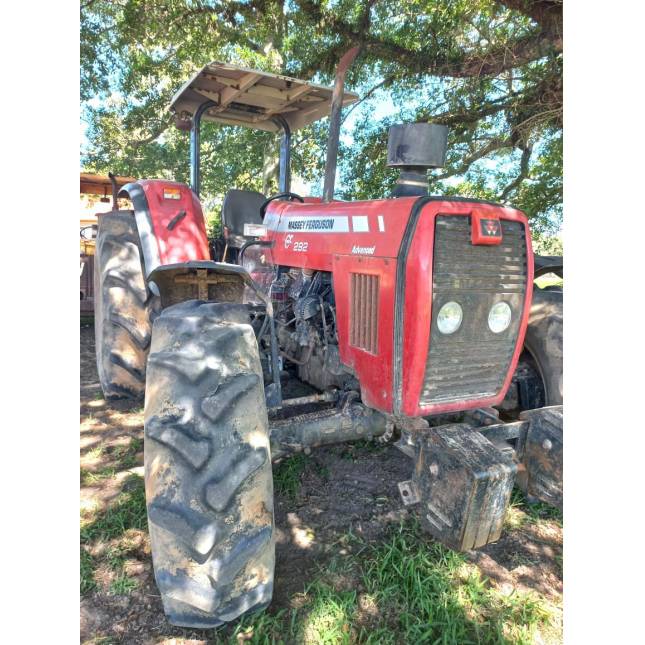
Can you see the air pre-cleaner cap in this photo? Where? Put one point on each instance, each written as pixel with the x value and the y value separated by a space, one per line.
pixel 420 145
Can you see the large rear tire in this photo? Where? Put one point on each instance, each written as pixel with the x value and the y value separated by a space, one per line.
pixel 209 485
pixel 123 308
pixel 537 381
pixel 544 341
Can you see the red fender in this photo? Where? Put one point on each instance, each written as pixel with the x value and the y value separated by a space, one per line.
pixel 170 222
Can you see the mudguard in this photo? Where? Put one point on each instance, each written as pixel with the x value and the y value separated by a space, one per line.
pixel 170 222
pixel 548 264
pixel 204 280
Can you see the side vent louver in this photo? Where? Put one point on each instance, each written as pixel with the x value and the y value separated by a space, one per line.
pixel 363 319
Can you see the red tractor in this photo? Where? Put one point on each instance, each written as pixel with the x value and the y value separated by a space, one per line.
pixel 314 321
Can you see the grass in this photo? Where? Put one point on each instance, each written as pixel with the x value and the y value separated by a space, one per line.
pixel 520 512
pixel 126 456
pixel 361 448
pixel 127 512
pixel 120 458
pixel 88 583
pixel 113 527
pixel 91 477
pixel 322 470
pixel 123 585
pixel 549 280
pixel 286 475
pixel 406 589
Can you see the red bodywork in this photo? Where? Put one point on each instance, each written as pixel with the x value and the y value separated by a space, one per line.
pixel 366 237
pixel 355 237
pixel 187 240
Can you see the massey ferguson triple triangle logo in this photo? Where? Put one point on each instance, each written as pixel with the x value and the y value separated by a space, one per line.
pixel 491 228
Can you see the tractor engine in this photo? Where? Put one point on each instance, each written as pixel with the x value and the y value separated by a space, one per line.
pixel 305 316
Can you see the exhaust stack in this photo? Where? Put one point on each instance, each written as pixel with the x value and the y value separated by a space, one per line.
pixel 334 122
pixel 413 148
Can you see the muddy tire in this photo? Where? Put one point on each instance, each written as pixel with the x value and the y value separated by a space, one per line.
pixel 544 341
pixel 208 477
pixel 123 308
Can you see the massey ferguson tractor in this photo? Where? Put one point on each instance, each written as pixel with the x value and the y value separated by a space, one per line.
pixel 314 321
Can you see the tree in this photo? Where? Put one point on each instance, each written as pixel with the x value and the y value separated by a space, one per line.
pixel 489 69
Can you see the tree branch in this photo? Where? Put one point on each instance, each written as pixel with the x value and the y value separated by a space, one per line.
pixel 523 174
pixel 500 59
pixel 473 115
pixel 491 62
pixel 491 146
pixel 225 18
pixel 546 13
pixel 155 134
pixel 367 95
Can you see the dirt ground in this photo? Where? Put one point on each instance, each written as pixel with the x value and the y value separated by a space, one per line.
pixel 339 489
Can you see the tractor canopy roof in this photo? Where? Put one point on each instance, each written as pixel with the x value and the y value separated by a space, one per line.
pixel 252 98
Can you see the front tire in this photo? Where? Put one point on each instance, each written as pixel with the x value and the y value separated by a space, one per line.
pixel 208 477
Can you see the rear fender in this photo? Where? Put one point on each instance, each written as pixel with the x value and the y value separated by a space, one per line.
pixel 170 222
pixel 548 264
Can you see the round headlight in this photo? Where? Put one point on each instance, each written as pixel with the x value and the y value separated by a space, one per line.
pixel 449 318
pixel 499 317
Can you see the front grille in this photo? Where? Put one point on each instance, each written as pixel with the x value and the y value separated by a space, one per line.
pixel 363 313
pixel 473 362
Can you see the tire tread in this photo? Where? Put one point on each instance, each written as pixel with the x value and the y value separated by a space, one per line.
pixel 123 308
pixel 206 455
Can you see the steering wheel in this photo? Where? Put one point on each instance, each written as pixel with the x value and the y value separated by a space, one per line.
pixel 291 197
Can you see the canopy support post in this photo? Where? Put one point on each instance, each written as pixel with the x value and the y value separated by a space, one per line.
pixel 284 181
pixel 195 174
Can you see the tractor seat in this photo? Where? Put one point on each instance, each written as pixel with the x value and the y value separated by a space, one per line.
pixel 240 207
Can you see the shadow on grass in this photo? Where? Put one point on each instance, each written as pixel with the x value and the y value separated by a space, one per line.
pixel 112 536
pixel 407 589
pixel 403 589
pixel 109 459
pixel 535 511
pixel 127 512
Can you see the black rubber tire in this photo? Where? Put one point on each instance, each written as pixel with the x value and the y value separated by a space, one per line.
pixel 123 308
pixel 544 341
pixel 208 477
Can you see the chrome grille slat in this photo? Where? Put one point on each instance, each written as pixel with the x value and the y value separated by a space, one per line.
pixel 458 368
pixel 473 362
